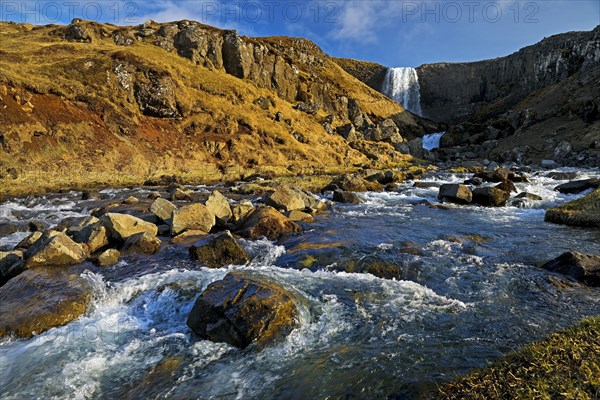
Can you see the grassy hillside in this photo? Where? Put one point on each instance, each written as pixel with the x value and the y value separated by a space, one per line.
pixel 91 112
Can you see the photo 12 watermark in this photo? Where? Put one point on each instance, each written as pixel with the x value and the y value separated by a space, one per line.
pixel 266 12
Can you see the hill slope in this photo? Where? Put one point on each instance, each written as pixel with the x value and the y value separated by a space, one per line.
pixel 92 104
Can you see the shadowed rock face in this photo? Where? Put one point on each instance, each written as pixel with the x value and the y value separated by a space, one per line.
pixel 454 90
pixel 582 267
pixel 241 309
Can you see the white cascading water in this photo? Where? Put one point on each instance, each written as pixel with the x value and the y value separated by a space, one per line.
pixel 402 85
pixel 432 140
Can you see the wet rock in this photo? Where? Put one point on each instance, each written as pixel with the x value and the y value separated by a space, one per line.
pixel 40 299
pixel 94 237
pixel 90 195
pixel 507 186
pixel 549 164
pixel 9 228
pixel 285 199
pixel 498 175
pixel 122 226
pixel 163 209
pixel 36 226
pixel 11 265
pixel 267 222
pixel 346 197
pixel 131 200
pixel 562 176
pixel 240 210
pixel 108 257
pixel 584 212
pixel 490 197
pixel 383 177
pixel 584 268
pixel 299 216
pixel 425 185
pixel 28 241
pixel 455 193
pixel 141 243
pixel 58 250
pixel 177 194
pixel 475 181
pixel 528 196
pixel 578 186
pixel 192 217
pixel 154 195
pixel 219 206
pixel 313 205
pixel 354 183
pixel 242 310
pixel 217 251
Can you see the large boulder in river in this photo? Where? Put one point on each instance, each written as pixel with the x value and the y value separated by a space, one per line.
pixel 241 310
pixel 455 193
pixel 141 243
pixel 122 226
pixel 219 206
pixel 193 217
pixel 11 265
pixel 163 209
pixel 490 197
pixel 578 186
pixel 286 199
pixel 219 250
pixel 267 222
pixel 56 250
pixel 581 212
pixel 40 299
pixel 583 267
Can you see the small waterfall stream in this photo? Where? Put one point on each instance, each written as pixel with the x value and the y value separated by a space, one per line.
pixel 432 141
pixel 402 85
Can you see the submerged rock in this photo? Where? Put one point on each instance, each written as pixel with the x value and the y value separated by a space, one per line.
pixel 490 197
pixel 192 217
pixel 220 250
pixel 455 193
pixel 40 299
pixel 121 226
pixel 57 250
pixel 583 267
pixel 267 222
pixel 241 310
pixel 528 196
pixel 578 186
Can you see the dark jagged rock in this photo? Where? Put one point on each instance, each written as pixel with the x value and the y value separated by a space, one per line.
pixel 11 265
pixel 346 197
pixel 219 250
pixel 142 243
pixel 241 310
pixel 584 268
pixel 490 197
pixel 578 186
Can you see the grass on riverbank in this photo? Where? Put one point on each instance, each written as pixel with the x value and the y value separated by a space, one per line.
pixel 584 212
pixel 564 366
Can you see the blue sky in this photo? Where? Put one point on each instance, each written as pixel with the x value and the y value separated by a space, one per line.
pixel 390 32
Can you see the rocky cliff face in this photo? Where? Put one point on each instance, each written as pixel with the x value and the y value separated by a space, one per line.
pixel 451 91
pixel 94 104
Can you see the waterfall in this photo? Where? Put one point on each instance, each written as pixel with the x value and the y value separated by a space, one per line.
pixel 432 141
pixel 402 85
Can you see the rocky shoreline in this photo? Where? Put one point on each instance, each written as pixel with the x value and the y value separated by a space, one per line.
pixel 48 260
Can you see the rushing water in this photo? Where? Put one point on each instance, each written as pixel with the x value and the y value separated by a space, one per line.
pixel 472 290
pixel 402 85
pixel 432 140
